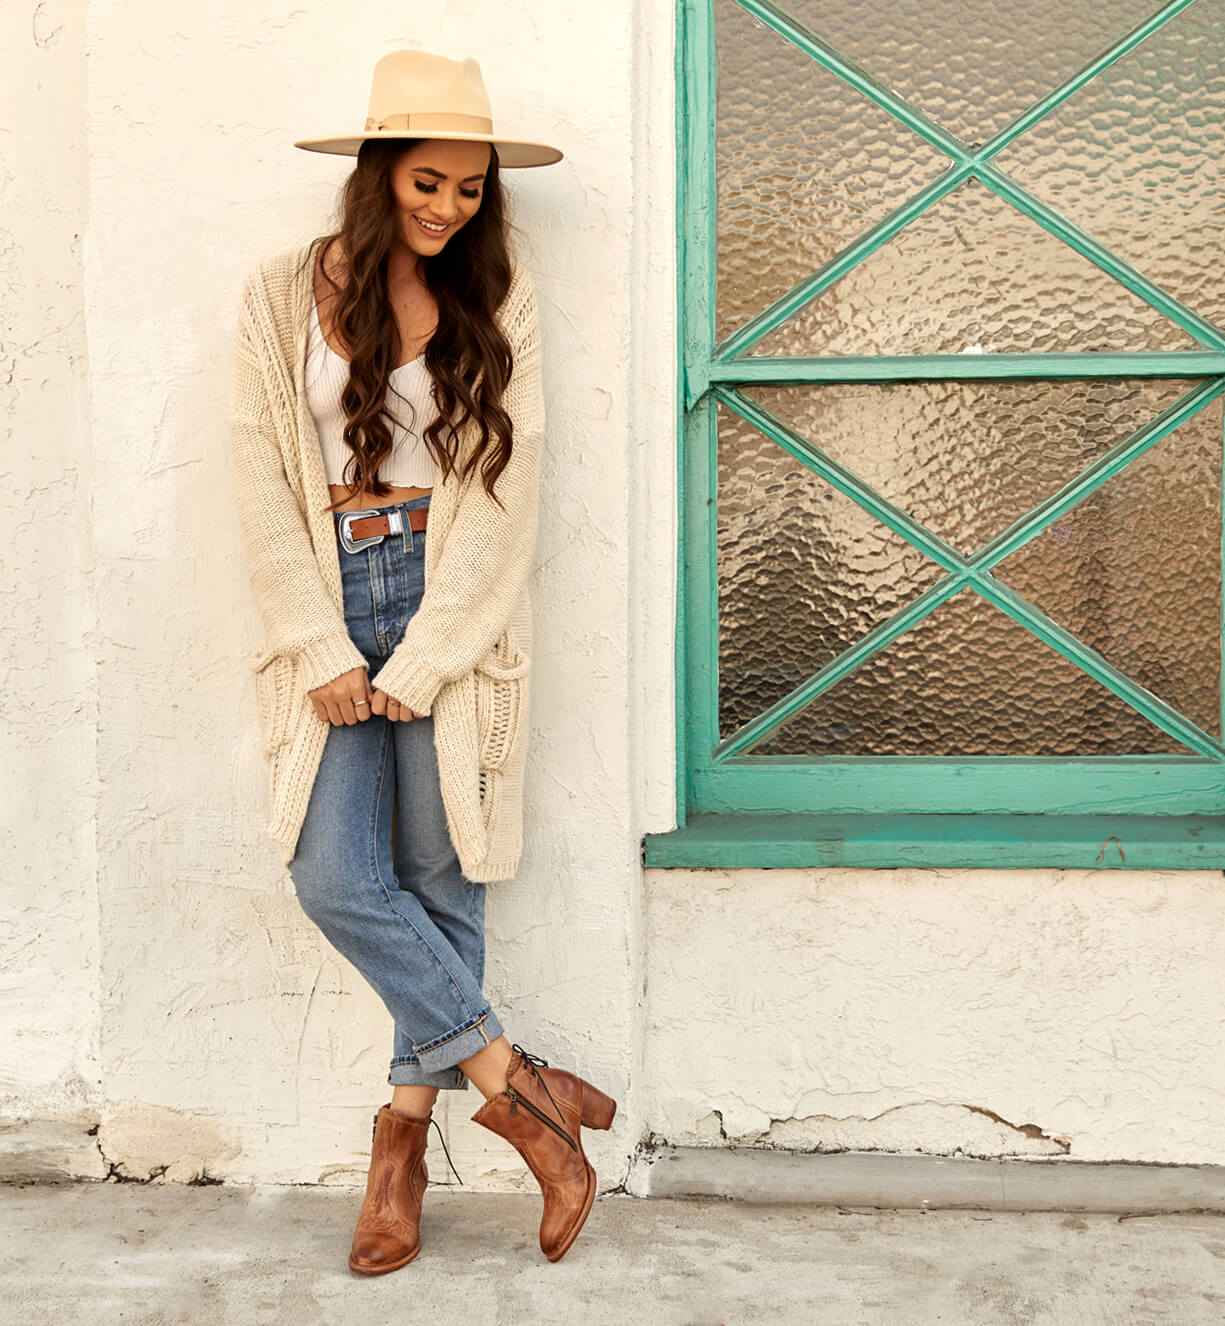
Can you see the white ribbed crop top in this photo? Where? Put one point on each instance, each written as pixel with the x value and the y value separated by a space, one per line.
pixel 410 464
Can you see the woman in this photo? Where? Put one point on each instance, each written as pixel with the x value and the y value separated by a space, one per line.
pixel 387 417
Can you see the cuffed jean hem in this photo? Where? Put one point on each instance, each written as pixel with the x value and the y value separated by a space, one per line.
pixel 436 1063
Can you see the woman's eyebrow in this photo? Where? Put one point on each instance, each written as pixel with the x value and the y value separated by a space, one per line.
pixel 429 170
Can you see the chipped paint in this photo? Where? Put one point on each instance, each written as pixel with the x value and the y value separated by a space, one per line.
pixel 978 1013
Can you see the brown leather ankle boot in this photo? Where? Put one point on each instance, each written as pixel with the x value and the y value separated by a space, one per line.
pixel 541 1113
pixel 386 1236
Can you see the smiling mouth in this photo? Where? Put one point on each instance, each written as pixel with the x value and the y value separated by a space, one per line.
pixel 430 229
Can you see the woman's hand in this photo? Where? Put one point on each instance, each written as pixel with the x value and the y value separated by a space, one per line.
pixel 350 699
pixel 345 699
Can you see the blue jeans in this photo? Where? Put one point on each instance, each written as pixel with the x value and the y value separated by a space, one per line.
pixel 375 868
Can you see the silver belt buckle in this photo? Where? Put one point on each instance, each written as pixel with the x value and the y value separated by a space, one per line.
pixel 350 544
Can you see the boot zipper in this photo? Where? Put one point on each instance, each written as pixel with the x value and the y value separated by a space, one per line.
pixel 517 1097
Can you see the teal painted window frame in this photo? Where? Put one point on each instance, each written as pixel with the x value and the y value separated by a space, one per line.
pixel 740 810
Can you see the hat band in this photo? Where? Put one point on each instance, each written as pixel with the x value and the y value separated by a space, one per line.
pixel 442 121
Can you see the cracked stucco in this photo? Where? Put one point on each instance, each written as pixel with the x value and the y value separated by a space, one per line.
pixel 930 1127
pixel 973 1012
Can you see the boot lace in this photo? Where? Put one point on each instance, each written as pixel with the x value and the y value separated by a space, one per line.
pixel 443 1140
pixel 531 1061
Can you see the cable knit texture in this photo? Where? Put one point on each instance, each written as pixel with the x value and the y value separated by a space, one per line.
pixel 465 654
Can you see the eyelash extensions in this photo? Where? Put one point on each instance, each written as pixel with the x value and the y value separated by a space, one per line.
pixel 433 188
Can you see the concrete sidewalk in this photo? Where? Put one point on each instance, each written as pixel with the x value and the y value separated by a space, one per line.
pixel 143 1254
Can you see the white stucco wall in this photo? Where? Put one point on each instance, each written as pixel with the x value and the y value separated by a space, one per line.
pixel 270 1052
pixel 163 984
pixel 229 1037
pixel 49 1021
pixel 983 1013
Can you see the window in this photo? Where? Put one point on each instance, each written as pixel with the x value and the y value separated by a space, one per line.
pixel 951 313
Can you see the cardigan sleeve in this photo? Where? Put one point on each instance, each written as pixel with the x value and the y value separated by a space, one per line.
pixel 300 617
pixel 487 556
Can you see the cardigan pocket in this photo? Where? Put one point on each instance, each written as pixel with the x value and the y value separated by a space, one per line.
pixel 501 694
pixel 275 680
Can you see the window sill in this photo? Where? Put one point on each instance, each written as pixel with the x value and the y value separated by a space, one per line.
pixel 1103 842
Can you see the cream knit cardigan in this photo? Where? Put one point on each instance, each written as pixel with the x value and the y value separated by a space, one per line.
pixel 465 654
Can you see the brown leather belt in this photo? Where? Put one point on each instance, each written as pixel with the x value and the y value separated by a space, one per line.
pixel 359 529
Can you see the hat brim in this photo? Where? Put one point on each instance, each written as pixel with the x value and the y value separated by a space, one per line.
pixel 512 152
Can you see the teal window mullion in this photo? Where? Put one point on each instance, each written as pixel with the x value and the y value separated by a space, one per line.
pixel 970 785
pixel 696 175
pixel 696 609
pixel 780 371
pixel 700 579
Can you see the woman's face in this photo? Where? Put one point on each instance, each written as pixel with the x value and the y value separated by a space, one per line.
pixel 438 185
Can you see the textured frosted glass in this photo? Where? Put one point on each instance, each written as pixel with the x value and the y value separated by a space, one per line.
pixel 973 273
pixel 1133 570
pixel 804 166
pixel 803 571
pixel 803 163
pixel 1137 158
pixel 971 67
pixel 968 680
pixel 967 459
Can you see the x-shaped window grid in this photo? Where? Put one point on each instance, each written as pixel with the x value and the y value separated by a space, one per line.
pixel 717 372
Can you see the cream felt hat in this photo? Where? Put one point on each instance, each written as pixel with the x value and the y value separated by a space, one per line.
pixel 415 94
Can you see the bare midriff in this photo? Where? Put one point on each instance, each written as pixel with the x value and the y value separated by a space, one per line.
pixel 361 500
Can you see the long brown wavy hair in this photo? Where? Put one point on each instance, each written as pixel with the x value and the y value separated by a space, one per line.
pixel 468 355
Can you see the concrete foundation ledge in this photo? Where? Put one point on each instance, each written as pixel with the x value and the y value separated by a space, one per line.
pixel 875 1179
pixel 49 1150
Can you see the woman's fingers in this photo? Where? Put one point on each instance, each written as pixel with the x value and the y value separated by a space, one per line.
pixel 388 705
pixel 341 701
pixel 353 704
pixel 338 700
pixel 359 698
